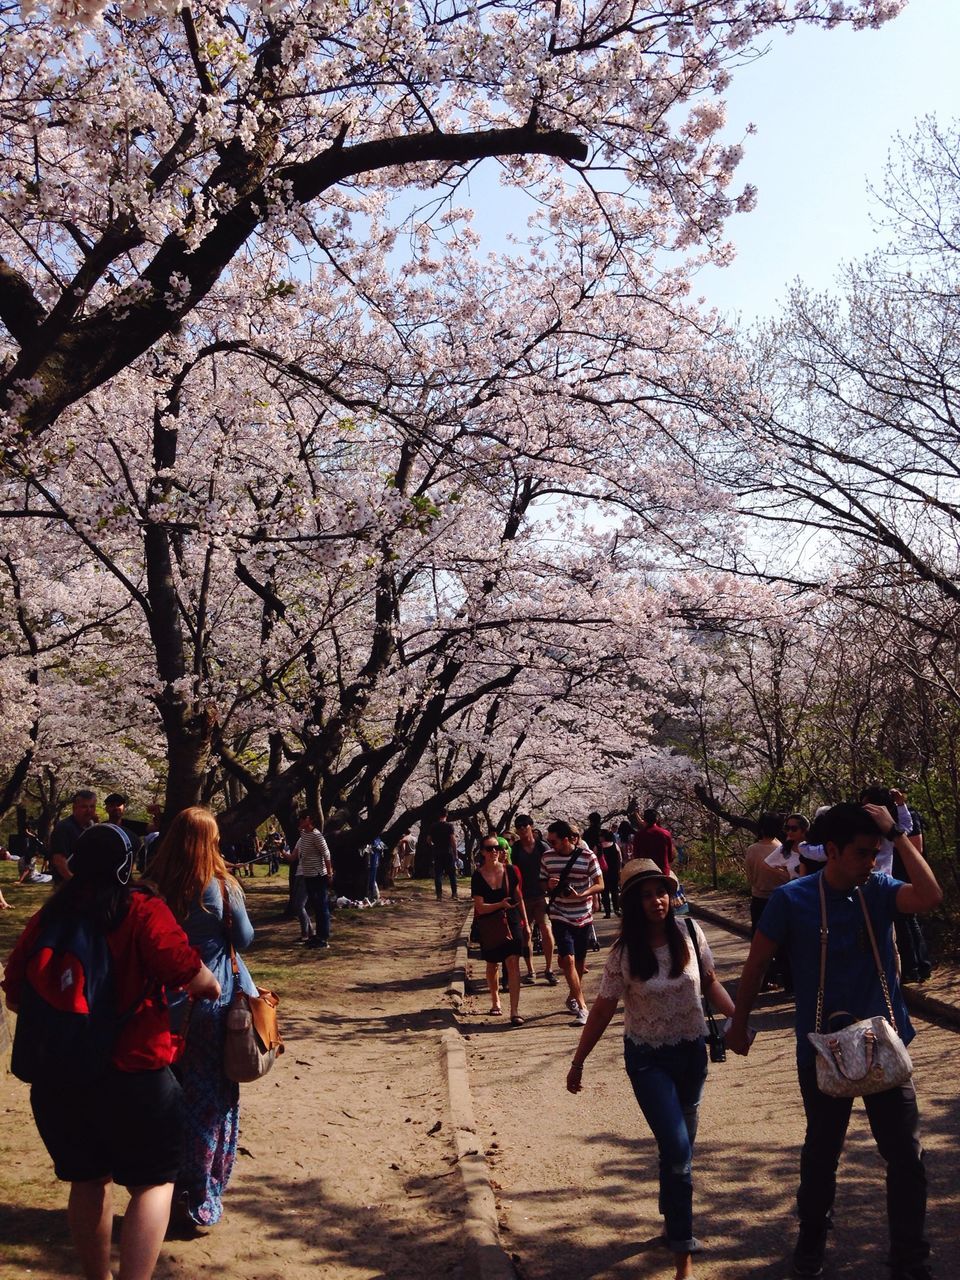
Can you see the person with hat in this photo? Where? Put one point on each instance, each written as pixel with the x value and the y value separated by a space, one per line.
pixel 653 969
pixel 123 1124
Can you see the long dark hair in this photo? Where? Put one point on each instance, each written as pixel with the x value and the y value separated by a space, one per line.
pixel 635 936
pixel 105 903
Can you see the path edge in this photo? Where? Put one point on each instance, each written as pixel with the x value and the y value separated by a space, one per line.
pixel 485 1257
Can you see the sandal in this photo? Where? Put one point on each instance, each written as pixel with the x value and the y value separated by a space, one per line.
pixel 495 1010
pixel 516 1021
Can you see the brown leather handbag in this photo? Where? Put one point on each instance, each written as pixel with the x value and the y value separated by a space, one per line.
pixel 252 1042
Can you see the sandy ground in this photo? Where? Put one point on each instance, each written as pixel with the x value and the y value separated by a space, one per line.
pixel 577 1174
pixel 346 1166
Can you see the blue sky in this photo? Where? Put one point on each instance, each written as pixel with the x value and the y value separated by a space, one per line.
pixel 827 106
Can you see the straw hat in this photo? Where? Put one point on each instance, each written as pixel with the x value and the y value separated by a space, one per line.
pixel 641 870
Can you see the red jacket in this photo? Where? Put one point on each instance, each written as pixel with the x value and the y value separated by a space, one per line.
pixel 149 950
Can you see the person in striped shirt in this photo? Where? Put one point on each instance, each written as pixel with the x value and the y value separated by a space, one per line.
pixel 316 867
pixel 572 881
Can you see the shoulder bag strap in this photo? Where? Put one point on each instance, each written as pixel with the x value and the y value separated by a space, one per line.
pixel 876 956
pixel 824 933
pixel 705 1003
pixel 228 922
pixel 563 877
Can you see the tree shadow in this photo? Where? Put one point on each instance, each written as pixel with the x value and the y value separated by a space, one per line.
pixel 326 1230
pixel 36 1239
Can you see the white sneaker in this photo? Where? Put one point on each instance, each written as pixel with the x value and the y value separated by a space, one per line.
pixel 581 1015
pixel 572 1005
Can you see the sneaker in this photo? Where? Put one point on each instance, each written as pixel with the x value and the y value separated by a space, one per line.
pixel 809 1251
pixel 550 978
pixel 528 980
pixel 581 1015
pixel 572 1005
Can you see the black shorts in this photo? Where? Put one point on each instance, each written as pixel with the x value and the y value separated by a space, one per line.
pixel 127 1126
pixel 571 939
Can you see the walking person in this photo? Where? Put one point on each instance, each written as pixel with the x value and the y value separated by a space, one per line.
pixel 829 909
pixel 122 1124
pixel 189 870
pixel 654 971
pixel 573 880
pixel 315 873
pixel 527 854
pixel 443 842
pixel 495 888
pixel 763 879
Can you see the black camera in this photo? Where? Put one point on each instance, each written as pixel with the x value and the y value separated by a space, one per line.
pixel 718 1048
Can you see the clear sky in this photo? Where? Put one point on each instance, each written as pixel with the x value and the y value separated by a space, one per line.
pixel 827 106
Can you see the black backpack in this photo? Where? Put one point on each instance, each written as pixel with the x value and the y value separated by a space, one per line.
pixel 68 1020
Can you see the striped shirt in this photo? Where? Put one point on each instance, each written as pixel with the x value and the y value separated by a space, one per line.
pixel 314 855
pixel 585 870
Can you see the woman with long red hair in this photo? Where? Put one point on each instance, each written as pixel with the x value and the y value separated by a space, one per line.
pixel 189 871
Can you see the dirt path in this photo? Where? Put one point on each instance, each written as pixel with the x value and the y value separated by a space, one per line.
pixel 346 1168
pixel 577 1174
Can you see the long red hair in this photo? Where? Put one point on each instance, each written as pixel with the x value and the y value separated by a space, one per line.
pixel 187 859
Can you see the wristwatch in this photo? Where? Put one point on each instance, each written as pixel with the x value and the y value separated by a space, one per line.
pixel 895 831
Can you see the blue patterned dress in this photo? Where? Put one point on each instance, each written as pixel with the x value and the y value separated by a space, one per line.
pixel 211 1101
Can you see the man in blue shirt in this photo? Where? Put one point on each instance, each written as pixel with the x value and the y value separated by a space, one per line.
pixel 851 835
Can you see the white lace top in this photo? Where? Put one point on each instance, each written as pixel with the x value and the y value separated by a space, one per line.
pixel 662 1010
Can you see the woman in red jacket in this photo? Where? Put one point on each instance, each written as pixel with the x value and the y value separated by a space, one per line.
pixel 123 1124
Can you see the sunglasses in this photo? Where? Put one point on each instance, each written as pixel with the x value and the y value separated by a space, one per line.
pixel 489 848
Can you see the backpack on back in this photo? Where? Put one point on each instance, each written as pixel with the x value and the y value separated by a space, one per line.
pixel 68 1021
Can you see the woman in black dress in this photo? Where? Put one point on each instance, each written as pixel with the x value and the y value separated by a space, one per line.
pixel 495 889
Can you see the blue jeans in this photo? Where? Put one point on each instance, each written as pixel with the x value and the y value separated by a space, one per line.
pixel 668 1084
pixel 316 887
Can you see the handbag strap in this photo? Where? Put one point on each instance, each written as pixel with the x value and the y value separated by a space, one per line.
pixel 705 1003
pixel 228 922
pixel 824 934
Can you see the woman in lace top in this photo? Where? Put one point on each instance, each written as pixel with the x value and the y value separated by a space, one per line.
pixel 653 968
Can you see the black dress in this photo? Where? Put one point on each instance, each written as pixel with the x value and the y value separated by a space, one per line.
pixel 480 889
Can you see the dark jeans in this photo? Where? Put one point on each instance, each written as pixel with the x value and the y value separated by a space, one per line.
pixel 316 887
pixel 444 865
pixel 611 891
pixel 668 1084
pixel 779 970
pixel 895 1125
pixel 914 956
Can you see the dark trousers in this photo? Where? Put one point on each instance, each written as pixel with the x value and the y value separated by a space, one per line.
pixel 316 887
pixel 610 896
pixel 914 956
pixel 779 970
pixel 895 1125
pixel 444 864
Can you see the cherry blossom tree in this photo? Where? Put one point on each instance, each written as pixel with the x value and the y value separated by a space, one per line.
pixel 149 149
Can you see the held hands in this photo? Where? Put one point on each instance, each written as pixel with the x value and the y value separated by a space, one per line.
pixel 739 1040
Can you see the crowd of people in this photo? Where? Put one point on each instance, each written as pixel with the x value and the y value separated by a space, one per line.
pixel 812 885
pixel 162 1119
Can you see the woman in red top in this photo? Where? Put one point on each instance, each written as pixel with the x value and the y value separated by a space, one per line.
pixel 124 1125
